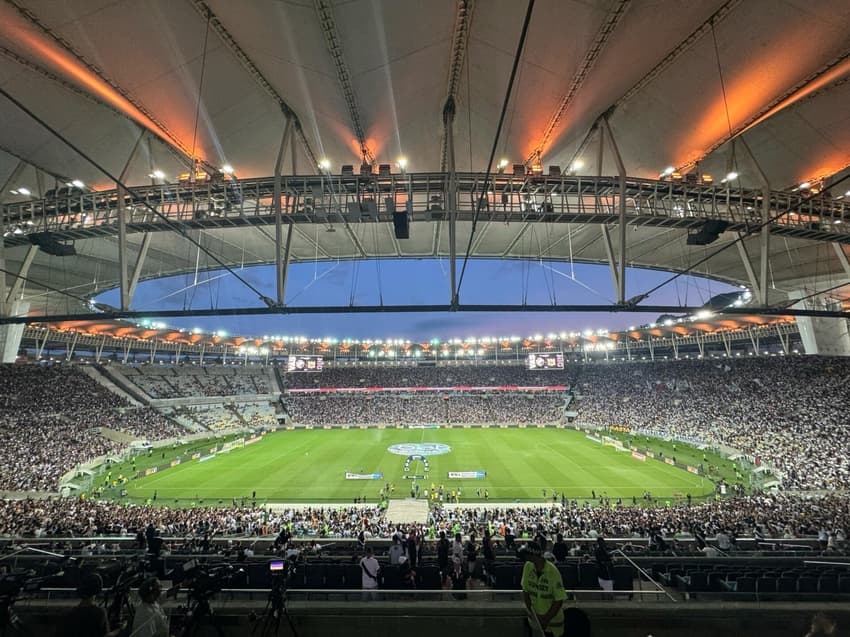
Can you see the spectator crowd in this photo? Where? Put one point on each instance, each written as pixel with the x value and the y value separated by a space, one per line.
pixel 768 517
pixel 789 412
pixel 50 419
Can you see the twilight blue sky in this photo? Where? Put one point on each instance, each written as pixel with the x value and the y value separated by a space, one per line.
pixel 422 281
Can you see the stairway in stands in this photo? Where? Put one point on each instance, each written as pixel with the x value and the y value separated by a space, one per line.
pixel 114 384
pixel 407 511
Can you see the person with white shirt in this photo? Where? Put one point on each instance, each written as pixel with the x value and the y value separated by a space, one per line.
pixel 370 569
pixel 149 619
pixel 396 551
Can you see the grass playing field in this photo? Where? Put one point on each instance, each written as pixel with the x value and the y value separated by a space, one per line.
pixel 310 466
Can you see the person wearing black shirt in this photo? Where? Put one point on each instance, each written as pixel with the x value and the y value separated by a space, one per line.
pixel 86 619
pixel 443 548
pixel 412 550
pixel 604 564
pixel 560 550
pixel 471 553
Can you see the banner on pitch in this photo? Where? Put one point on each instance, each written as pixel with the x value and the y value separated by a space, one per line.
pixel 363 476
pixel 464 475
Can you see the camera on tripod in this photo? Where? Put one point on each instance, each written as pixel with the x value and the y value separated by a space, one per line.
pixel 282 570
pixel 201 581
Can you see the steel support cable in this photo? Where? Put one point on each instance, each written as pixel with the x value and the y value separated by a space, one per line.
pixel 46 286
pixel 177 227
pixel 741 236
pixel 200 87
pixel 483 194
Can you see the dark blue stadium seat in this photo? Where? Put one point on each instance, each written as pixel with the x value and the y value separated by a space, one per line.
pixel 569 574
pixel 623 577
pixel 766 585
pixel 828 584
pixel 588 576
pixel 745 584
pixel 391 577
pixel 505 579
pixel 335 576
pixel 353 576
pixel 429 578
pixel 314 576
pixel 698 582
pixel 807 584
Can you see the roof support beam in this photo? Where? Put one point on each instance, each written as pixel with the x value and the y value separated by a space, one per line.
pixel 280 274
pixel 257 76
pixel 828 74
pixel 621 201
pixel 140 263
pixel 666 62
pixel 765 229
pixel 609 251
pixel 460 39
pixel 122 228
pixel 451 196
pixel 842 257
pixel 609 24
pixel 326 18
pixel 4 189
pixel 18 285
pixel 179 153
pixel 51 46
pixel 56 176
pixel 748 266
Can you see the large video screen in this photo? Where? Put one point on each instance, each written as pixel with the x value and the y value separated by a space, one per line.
pixel 304 364
pixel 546 361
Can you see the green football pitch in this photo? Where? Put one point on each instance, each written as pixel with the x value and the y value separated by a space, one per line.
pixel 311 466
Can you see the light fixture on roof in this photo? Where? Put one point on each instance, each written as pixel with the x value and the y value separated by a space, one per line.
pixel 227 169
pixel 26 192
pixel 731 176
pixel 503 163
pixel 402 163
pixel 577 165
pixel 158 174
pixel 78 184
pixel 805 184
pixel 325 164
pixel 668 171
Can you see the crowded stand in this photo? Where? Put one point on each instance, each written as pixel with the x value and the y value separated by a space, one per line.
pixel 158 381
pixel 442 376
pixel 774 517
pixel 50 419
pixel 430 407
pixel 789 412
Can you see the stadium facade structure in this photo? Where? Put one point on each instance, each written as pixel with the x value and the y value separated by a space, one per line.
pixel 604 130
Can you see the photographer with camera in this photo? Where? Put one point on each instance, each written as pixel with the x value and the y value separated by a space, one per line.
pixel 149 619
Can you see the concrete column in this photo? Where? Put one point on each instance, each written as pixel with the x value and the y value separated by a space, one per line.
pixel 10 335
pixel 823 336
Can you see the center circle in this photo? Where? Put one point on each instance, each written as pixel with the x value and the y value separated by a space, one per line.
pixel 419 449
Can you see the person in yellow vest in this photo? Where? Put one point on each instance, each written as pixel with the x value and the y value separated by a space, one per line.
pixel 543 591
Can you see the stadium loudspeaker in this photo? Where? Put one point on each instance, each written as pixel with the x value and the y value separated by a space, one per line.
pixel 50 244
pixel 401 225
pixel 709 232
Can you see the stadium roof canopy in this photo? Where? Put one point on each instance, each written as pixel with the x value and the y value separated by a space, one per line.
pixel 757 88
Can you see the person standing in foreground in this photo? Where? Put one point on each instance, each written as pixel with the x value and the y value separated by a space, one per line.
pixel 87 619
pixel 543 591
pixel 369 568
pixel 149 619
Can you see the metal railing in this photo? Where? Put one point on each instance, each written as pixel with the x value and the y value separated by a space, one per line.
pixel 329 199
